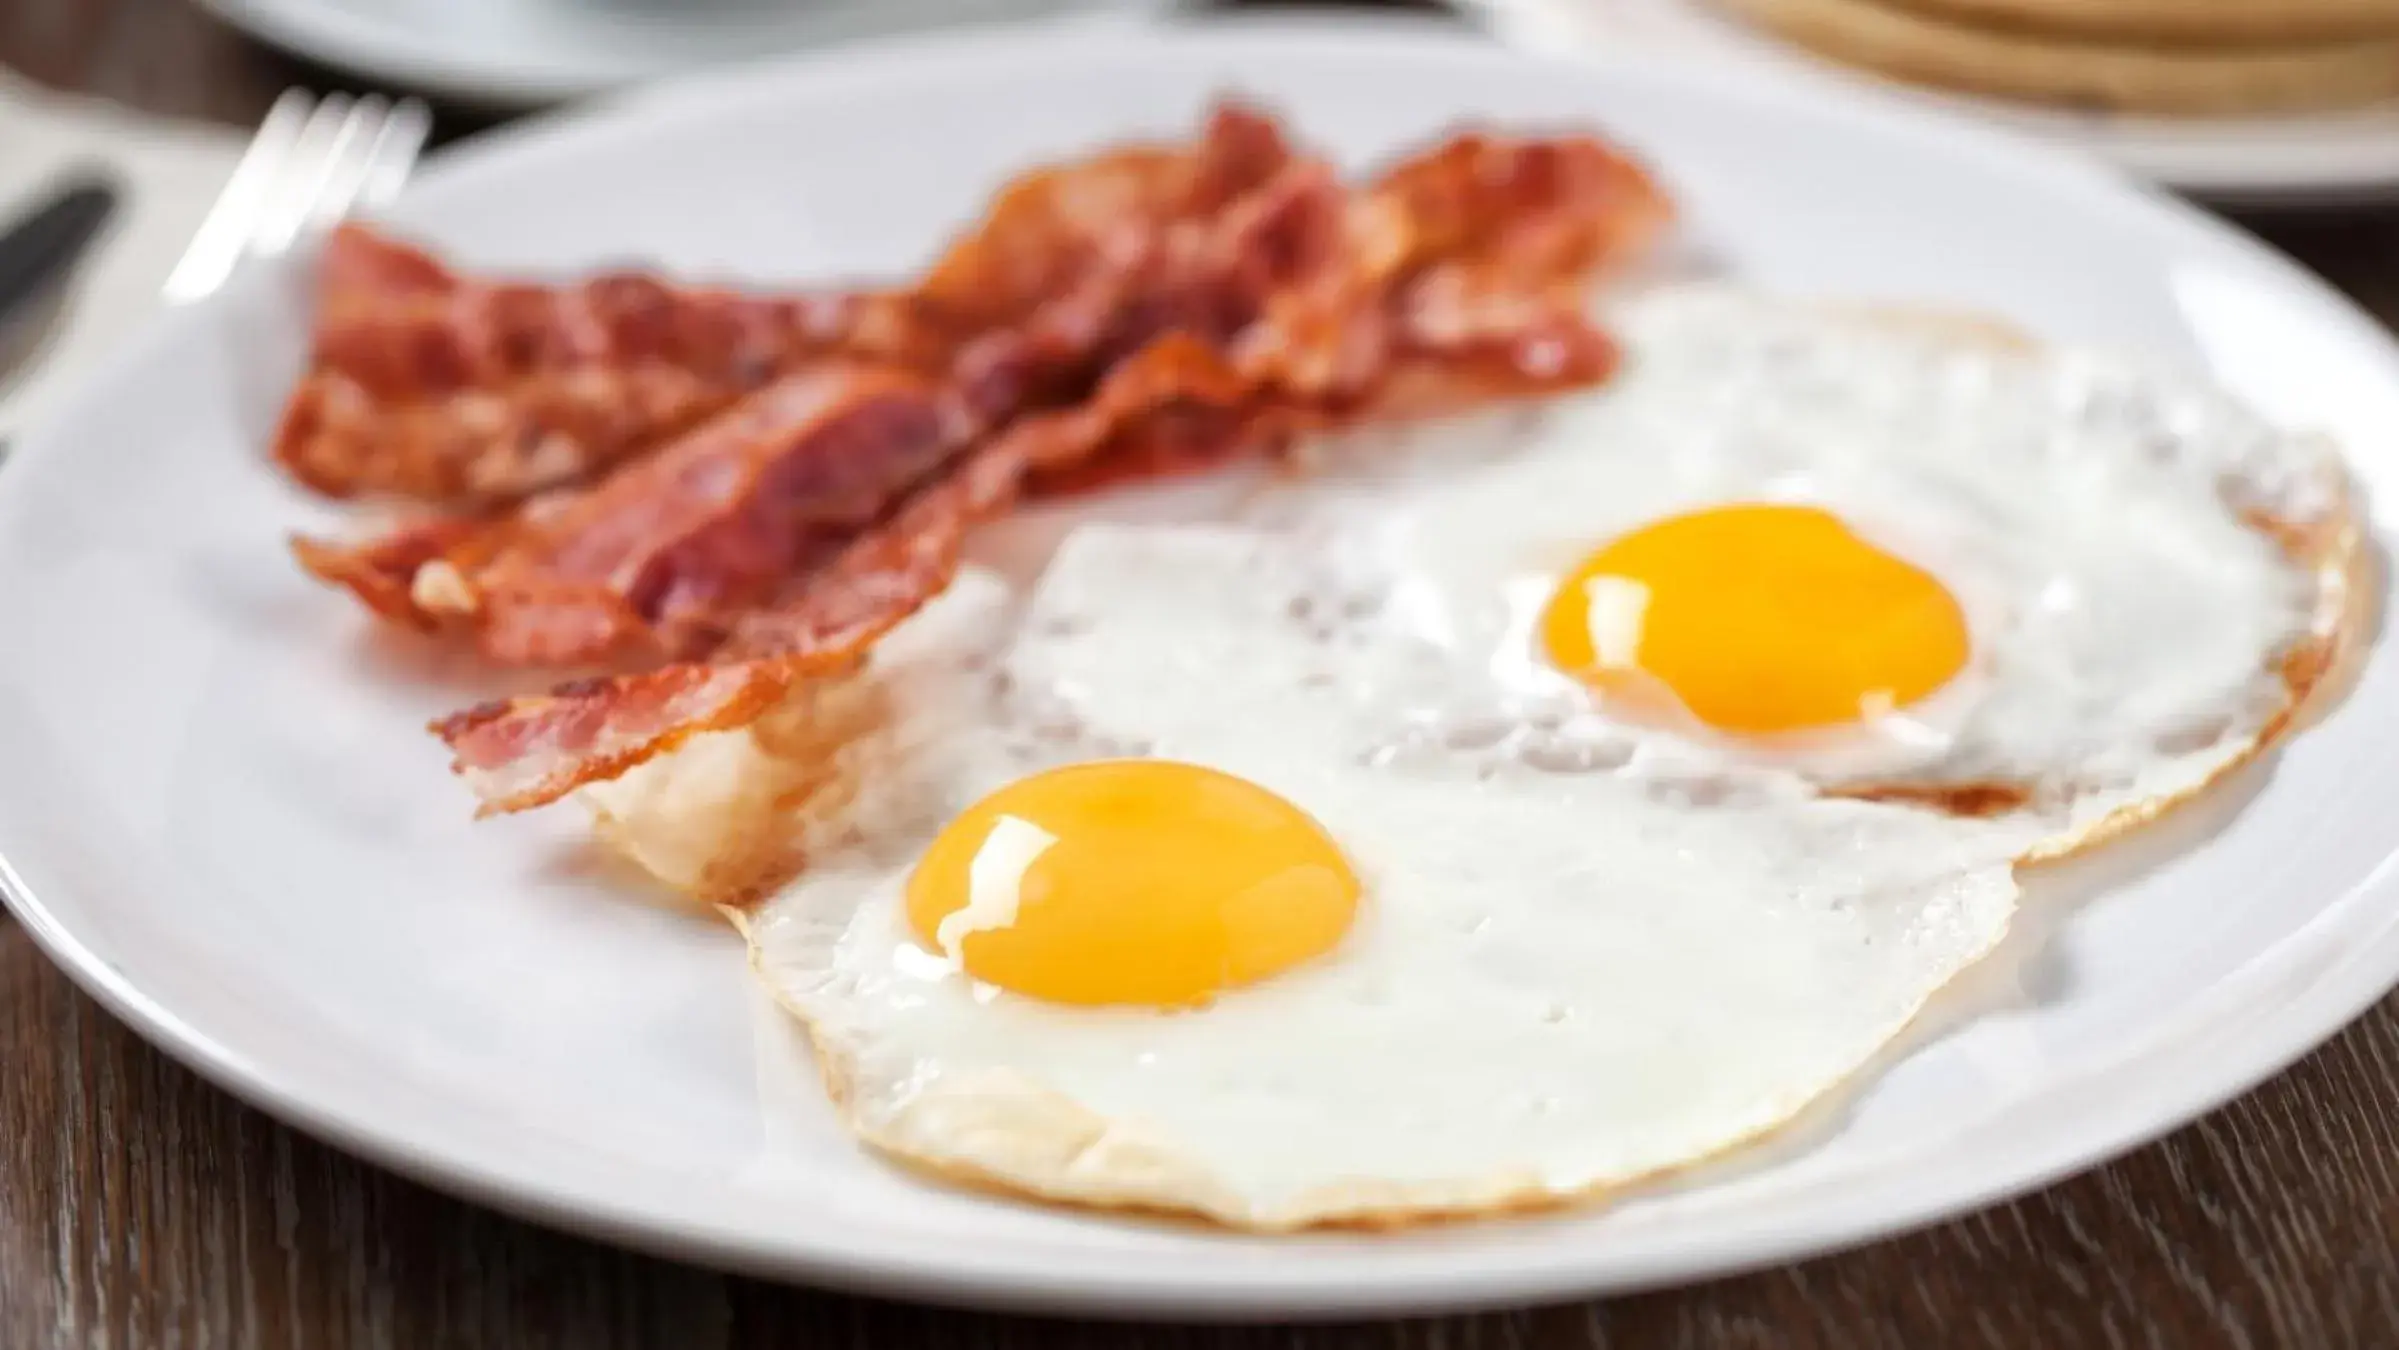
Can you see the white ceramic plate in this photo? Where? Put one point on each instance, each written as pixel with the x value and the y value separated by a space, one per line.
pixel 219 812
pixel 518 53
pixel 2312 160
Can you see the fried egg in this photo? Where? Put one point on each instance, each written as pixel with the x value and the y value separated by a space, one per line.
pixel 1893 561
pixel 1509 809
pixel 1110 912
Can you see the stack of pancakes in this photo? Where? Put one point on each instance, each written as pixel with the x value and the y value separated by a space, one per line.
pixel 2162 56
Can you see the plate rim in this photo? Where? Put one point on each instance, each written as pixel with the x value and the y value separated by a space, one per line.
pixel 312 31
pixel 302 31
pixel 2295 1026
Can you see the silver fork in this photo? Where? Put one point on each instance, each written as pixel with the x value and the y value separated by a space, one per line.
pixel 309 165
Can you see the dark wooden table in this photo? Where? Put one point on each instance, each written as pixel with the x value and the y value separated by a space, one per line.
pixel 140 1207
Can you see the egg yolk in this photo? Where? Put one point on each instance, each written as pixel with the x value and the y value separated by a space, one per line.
pixel 1757 618
pixel 1131 881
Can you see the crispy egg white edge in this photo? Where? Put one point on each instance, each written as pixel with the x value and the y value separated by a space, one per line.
pixel 2332 549
pixel 1004 1133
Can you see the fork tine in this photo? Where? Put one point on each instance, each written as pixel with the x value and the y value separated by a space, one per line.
pixel 311 163
pixel 394 152
pixel 217 245
pixel 353 158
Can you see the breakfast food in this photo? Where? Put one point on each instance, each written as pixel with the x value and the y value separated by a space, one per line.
pixel 1258 974
pixel 1901 564
pixel 1555 743
pixel 2191 21
pixel 1632 766
pixel 1145 312
pixel 441 388
pixel 2011 54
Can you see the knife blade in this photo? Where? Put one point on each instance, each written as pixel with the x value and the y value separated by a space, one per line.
pixel 38 255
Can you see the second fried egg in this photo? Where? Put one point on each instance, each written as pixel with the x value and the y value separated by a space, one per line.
pixel 1890 561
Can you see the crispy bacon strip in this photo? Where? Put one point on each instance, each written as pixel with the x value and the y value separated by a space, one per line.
pixel 1047 229
pixel 1178 405
pixel 526 752
pixel 1077 267
pixel 1511 233
pixel 1074 269
pixel 1147 311
pixel 651 561
pixel 1411 297
pixel 428 385
pixel 1462 272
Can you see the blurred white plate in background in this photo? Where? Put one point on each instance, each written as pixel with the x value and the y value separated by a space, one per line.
pixel 221 814
pixel 2316 159
pixel 520 53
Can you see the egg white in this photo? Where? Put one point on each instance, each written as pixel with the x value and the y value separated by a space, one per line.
pixel 1559 982
pixel 2119 538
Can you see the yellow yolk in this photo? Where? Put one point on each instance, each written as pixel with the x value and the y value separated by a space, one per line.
pixel 1131 881
pixel 1758 618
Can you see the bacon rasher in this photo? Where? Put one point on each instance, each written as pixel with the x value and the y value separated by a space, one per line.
pixel 434 387
pixel 1151 310
pixel 455 391
pixel 525 752
pixel 651 561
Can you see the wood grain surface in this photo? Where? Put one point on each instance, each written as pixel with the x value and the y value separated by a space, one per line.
pixel 140 1207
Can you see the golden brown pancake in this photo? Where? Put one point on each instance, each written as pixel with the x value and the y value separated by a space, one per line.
pixel 2203 22
pixel 1931 47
